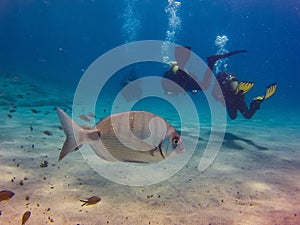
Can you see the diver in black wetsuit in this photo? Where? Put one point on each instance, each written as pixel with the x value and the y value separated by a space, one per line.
pixel 231 92
pixel 228 90
pixel 186 81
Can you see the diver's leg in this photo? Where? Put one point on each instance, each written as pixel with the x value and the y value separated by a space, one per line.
pixel 248 113
pixel 214 58
pixel 231 110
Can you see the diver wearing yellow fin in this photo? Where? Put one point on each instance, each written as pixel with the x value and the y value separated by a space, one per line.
pixel 231 92
pixel 177 73
pixel 187 81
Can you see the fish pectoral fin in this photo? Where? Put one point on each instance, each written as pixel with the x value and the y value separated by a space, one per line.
pixel 153 150
pixel 85 202
pixel 158 149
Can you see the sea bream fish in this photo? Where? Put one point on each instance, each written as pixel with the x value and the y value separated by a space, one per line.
pixel 135 136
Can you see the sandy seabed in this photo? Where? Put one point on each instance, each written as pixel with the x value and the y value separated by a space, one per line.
pixel 255 179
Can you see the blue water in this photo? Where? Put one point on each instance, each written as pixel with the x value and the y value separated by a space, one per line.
pixel 57 40
pixel 46 46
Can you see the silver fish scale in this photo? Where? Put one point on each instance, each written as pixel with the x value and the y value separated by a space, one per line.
pixel 116 135
pixel 125 124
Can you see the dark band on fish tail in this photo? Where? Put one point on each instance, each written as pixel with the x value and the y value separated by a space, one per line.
pixel 95 135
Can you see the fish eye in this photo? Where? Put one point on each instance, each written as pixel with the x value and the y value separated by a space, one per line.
pixel 175 141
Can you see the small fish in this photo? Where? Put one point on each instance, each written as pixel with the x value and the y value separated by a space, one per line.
pixel 34 111
pixel 90 114
pixel 91 201
pixel 44 164
pixel 136 136
pixel 25 217
pixel 47 132
pixel 12 110
pixel 84 118
pixel 6 195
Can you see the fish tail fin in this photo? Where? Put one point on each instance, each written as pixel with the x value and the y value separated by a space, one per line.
pixel 72 131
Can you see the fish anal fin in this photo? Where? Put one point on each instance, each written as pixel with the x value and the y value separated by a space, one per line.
pixel 153 150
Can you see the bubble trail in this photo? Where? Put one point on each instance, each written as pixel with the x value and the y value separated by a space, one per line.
pixel 131 22
pixel 174 25
pixel 220 42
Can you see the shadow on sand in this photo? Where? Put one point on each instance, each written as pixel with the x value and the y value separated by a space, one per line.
pixel 231 141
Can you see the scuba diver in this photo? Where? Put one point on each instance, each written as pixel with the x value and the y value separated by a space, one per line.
pixel 228 90
pixel 187 82
pixel 231 92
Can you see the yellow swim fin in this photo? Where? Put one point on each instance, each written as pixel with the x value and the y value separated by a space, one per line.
pixel 244 87
pixel 271 89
